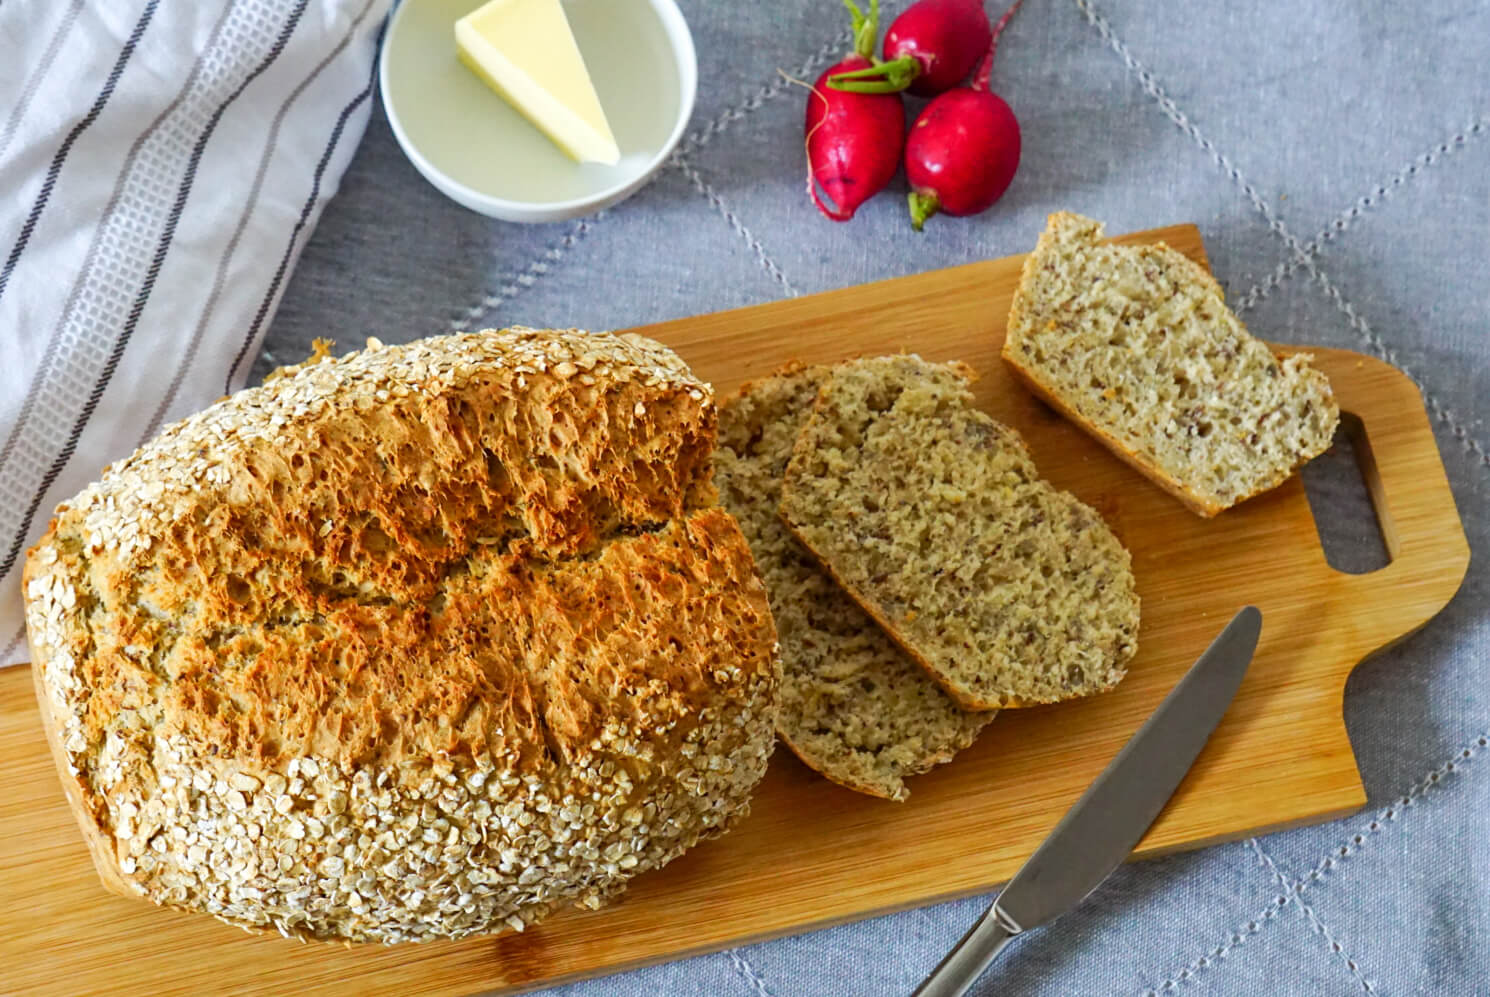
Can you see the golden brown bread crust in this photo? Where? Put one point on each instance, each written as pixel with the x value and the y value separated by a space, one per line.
pixel 421 642
pixel 100 846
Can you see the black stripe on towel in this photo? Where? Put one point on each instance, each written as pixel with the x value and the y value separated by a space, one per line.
pixel 300 223
pixel 15 642
pixel 146 288
pixel 190 353
pixel 55 169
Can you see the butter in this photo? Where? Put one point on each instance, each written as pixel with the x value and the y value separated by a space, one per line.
pixel 525 51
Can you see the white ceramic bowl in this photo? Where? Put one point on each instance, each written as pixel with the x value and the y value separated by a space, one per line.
pixel 478 150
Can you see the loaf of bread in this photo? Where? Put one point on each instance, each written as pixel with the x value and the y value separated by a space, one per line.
pixel 425 641
pixel 1136 345
pixel 931 514
pixel 854 706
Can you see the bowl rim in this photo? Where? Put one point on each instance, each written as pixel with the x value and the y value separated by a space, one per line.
pixel 680 40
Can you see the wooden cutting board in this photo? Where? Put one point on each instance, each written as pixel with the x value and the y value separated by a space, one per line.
pixel 812 854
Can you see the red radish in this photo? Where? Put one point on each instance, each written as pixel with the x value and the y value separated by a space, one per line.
pixel 929 49
pixel 963 148
pixel 853 139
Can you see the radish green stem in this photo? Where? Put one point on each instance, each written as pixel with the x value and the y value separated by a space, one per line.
pixel 866 28
pixel 985 68
pixel 883 77
pixel 923 206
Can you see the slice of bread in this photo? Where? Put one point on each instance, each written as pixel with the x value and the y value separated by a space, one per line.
pixel 1136 345
pixel 933 517
pixel 853 705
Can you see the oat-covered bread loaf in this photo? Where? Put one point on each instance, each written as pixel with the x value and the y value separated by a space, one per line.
pixel 1136 345
pixel 424 641
pixel 854 706
pixel 932 515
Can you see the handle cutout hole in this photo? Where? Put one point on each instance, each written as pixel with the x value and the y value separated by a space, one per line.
pixel 1344 498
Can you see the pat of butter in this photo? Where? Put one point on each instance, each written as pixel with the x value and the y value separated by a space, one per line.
pixel 525 51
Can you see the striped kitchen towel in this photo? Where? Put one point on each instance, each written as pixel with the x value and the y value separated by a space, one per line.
pixel 161 166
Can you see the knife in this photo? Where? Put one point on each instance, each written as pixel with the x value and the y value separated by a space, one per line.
pixel 1102 828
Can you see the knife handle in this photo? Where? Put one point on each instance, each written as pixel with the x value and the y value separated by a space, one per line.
pixel 969 957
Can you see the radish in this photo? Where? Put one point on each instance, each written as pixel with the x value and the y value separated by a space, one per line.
pixel 929 49
pixel 963 148
pixel 853 139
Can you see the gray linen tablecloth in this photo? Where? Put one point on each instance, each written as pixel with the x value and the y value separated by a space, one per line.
pixel 1337 159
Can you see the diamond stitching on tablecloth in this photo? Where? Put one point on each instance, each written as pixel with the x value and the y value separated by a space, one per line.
pixel 514 283
pixel 1171 110
pixel 1316 100
pixel 1312 917
pixel 1237 938
pixel 1362 328
pixel 1341 223
pixel 106 291
pixel 1392 813
pixel 720 124
pixel 717 202
pixel 1316 875
pixel 1152 87
pixel 742 967
pixel 1359 325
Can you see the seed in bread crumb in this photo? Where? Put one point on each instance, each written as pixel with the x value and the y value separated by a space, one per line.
pixel 933 516
pixel 854 706
pixel 1137 345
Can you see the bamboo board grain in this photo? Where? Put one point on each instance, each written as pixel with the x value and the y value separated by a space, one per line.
pixel 812 854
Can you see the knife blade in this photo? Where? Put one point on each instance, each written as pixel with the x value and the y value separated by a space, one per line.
pixel 1102 828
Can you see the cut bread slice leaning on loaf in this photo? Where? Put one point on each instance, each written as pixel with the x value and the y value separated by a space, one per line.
pixel 420 642
pixel 1136 345
pixel 854 706
pixel 932 515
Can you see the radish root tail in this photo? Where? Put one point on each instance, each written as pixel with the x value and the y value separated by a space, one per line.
pixel 984 75
pixel 834 212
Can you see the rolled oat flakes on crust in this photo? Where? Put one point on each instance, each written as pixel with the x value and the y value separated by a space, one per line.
pixel 421 642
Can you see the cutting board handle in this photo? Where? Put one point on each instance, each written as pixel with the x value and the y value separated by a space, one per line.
pixel 1410 492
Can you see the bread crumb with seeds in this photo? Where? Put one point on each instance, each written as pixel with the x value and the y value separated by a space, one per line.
pixel 1136 345
pixel 932 516
pixel 854 706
